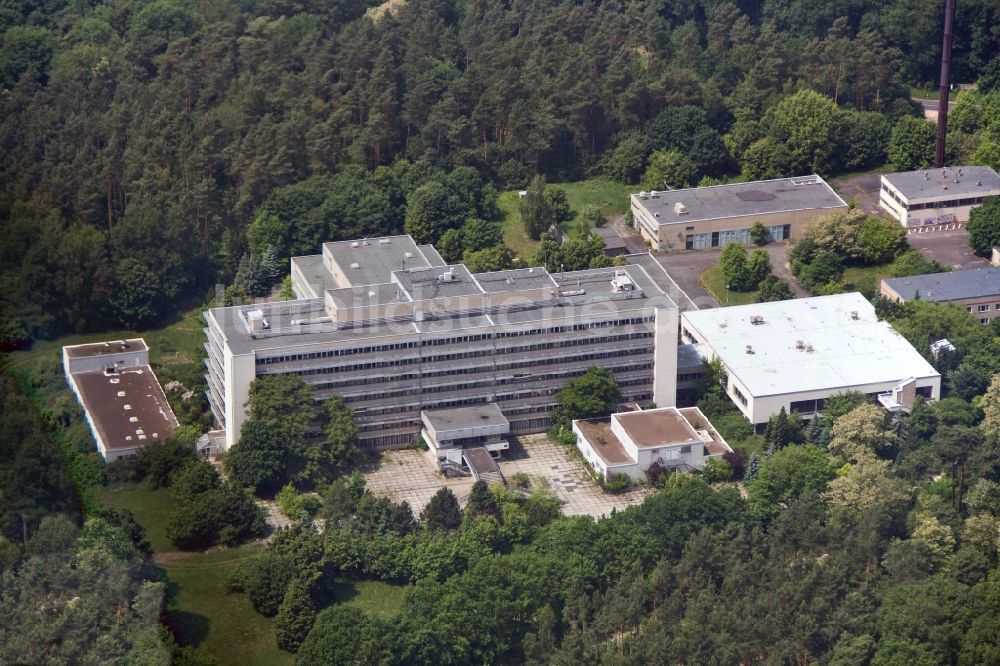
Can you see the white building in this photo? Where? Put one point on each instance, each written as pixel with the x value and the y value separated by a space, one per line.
pixel 796 353
pixel 630 442
pixel 937 196
pixel 121 397
pixel 388 326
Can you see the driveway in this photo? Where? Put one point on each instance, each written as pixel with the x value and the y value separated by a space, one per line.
pixel 413 476
pixel 950 248
pixel 863 189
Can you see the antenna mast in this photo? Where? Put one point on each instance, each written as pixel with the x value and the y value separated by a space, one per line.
pixel 942 118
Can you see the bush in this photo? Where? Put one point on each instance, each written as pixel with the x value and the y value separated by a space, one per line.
pixel 521 480
pixel 617 483
pixel 293 504
pixel 717 470
pixel 758 234
pixel 266 579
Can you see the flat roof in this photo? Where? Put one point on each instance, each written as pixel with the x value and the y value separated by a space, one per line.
pixel 652 428
pixel 128 408
pixel 305 322
pixel 373 260
pixel 104 348
pixel 516 279
pixel 761 197
pixel 604 442
pixel 458 418
pixel 846 352
pixel 437 282
pixel 315 272
pixel 936 183
pixel 953 286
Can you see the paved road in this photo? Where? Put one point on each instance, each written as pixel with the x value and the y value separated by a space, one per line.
pixel 933 104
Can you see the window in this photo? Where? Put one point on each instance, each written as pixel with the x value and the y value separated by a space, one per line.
pixel 997 306
pixel 984 308
pixel 984 321
pixel 968 308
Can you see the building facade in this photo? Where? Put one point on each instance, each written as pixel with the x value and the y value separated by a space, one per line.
pixel 394 339
pixel 977 290
pixel 937 196
pixel 705 217
pixel 795 354
pixel 630 443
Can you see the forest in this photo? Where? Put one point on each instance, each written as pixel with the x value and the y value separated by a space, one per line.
pixel 153 149
pixel 140 140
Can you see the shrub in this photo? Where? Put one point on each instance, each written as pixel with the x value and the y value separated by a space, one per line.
pixel 266 579
pixel 521 480
pixel 293 504
pixel 717 470
pixel 617 483
pixel 758 234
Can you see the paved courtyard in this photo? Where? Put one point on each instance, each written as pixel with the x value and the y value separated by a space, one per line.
pixel 412 476
pixel 950 248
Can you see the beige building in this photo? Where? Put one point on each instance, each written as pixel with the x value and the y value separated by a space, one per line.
pixel 977 290
pixel 705 217
pixel 937 196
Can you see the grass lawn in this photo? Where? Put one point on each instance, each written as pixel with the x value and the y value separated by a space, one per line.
pixel 712 280
pixel 611 196
pixel 151 509
pixel 866 279
pixel 222 625
pixel 177 343
pixel 372 596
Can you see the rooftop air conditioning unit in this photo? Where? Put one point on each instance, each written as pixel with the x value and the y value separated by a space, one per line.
pixel 749 349
pixel 355 244
pixel 408 255
pixel 448 276
pixel 854 314
pixel 355 265
pixel 756 320
pixel 680 209
pixel 800 344
pixel 384 241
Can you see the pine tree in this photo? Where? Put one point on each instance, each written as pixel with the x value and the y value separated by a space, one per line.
pixel 752 466
pixel 295 615
pixel 481 502
pixel 815 429
pixel 442 512
pixel 270 266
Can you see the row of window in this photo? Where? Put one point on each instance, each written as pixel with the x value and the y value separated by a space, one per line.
pixel 739 395
pixel 690 376
pixel 711 239
pixel 973 201
pixel 983 308
pixel 461 339
pixel 474 353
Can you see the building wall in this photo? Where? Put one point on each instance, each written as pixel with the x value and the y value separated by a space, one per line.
pixel 389 380
pixel 983 308
pixel 129 358
pixel 670 232
pixel 665 358
pixel 913 212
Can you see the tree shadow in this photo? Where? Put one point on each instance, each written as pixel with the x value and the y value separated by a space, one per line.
pixel 343 590
pixel 186 627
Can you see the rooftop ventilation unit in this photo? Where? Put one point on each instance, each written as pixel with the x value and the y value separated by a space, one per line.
pixel 749 349
pixel 680 209
pixel 447 276
pixel 654 194
pixel 800 344
pixel 756 320
pixel 621 281
pixel 643 195
pixel 805 180
pixel 355 265
pixel 256 320
pixel 384 241
pixel 854 315
pixel 809 349
pixel 355 244
pixel 408 255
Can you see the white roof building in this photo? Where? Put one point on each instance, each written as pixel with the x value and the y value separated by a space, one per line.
pixel 796 353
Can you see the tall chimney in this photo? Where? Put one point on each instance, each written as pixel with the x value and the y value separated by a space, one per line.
pixel 942 118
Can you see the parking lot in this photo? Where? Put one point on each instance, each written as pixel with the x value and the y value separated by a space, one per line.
pixel 413 476
pixel 950 248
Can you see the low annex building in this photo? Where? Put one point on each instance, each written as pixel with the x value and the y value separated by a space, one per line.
pixel 796 353
pixel 977 290
pixel 698 218
pixel 937 196
pixel 121 397
pixel 630 442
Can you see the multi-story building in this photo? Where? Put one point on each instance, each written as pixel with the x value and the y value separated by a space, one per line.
pixel 698 218
pixel 385 324
pixel 795 354
pixel 937 196
pixel 977 290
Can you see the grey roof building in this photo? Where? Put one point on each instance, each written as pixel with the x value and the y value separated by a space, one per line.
pixel 704 217
pixel 978 290
pixel 397 335
pixel 937 196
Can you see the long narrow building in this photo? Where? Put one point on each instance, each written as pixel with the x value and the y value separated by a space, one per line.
pixel 389 326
